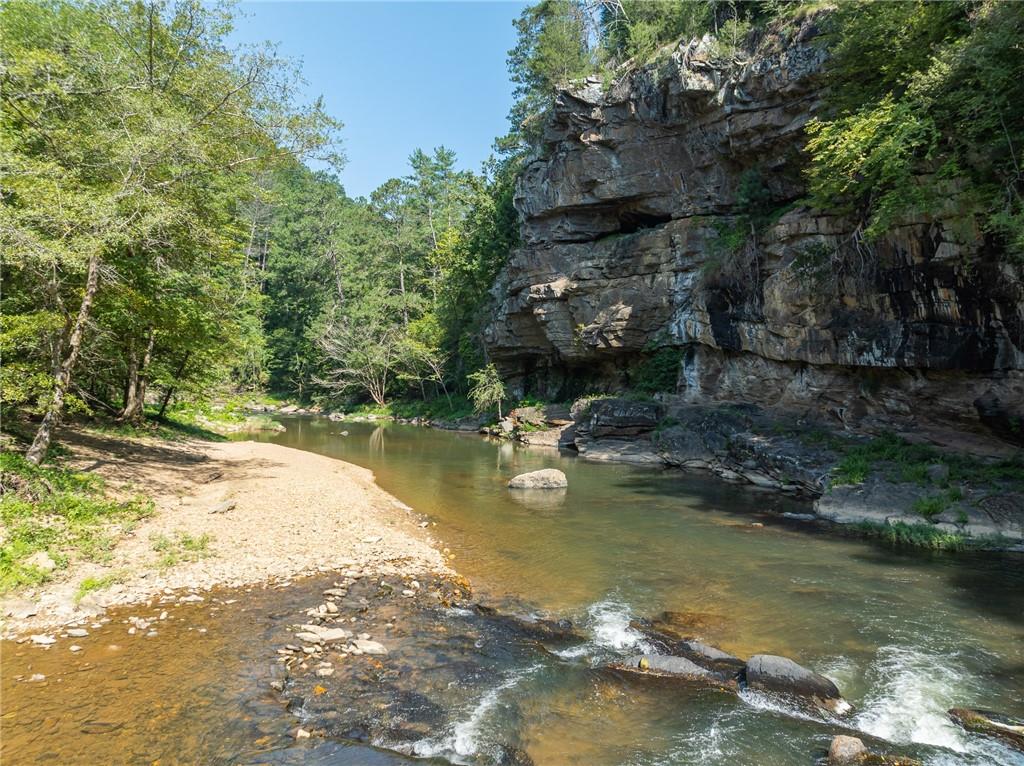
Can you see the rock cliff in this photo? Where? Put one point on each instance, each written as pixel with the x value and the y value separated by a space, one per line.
pixel 663 215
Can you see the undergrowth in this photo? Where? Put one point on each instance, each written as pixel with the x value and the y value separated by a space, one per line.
pixel 60 511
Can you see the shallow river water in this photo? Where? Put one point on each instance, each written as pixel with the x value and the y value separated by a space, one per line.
pixel 905 635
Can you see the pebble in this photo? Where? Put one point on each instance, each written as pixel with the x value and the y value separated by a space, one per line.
pixel 78 632
pixel 193 598
pixel 373 539
pixel 302 734
pixel 363 636
pixel 277 685
pixel 42 640
pixel 309 638
pixel 131 631
pixel 163 615
pixel 332 608
pixel 339 592
pixel 408 593
pixel 37 677
pixel 324 672
pixel 75 648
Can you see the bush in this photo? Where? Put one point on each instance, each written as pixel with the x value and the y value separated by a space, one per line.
pixel 657 372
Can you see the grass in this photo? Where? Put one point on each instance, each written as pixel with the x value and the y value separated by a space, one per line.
pixel 926 536
pixel 181 547
pixel 899 460
pixel 91 584
pixel 63 512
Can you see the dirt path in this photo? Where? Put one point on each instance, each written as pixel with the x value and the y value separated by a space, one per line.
pixel 281 513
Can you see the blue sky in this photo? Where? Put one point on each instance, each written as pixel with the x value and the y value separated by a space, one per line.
pixel 400 75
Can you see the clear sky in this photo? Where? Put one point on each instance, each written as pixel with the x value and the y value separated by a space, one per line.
pixel 400 75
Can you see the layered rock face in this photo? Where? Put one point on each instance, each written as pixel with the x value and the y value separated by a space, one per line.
pixel 638 236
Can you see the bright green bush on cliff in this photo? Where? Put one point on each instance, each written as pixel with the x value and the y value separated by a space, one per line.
pixel 927 100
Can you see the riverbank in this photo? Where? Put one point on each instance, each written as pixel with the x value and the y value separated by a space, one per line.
pixel 224 513
pixel 940 490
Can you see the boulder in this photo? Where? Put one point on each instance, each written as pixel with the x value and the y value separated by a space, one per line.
pixel 780 675
pixel 1005 728
pixel 668 665
pixel 546 478
pixel 845 751
pixel 702 651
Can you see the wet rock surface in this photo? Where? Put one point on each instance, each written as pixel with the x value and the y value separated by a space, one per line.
pixel 987 723
pixel 781 675
pixel 442 652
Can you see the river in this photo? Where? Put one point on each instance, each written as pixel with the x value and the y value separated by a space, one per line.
pixel 905 634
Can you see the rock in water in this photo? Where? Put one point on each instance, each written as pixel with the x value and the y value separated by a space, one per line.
pixel 770 673
pixel 663 664
pixel 546 478
pixel 1006 728
pixel 845 751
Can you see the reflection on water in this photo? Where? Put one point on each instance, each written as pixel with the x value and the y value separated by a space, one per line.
pixel 904 634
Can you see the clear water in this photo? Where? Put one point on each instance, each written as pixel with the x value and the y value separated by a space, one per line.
pixel 905 635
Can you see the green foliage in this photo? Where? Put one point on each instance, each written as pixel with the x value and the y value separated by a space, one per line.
pixel 487 389
pixel 92 584
pixel 552 50
pixel 924 94
pixel 657 372
pixel 62 512
pixel 181 547
pixel 127 250
pixel 922 536
pixel 900 460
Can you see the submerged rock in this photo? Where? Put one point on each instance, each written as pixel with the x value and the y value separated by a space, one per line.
pixel 990 724
pixel 781 675
pixel 546 478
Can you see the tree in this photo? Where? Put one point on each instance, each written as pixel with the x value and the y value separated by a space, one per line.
pixel 362 349
pixel 552 48
pixel 487 389
pixel 129 137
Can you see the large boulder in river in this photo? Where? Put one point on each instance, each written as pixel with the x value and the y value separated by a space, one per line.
pixel 546 478
pixel 771 673
pixel 996 725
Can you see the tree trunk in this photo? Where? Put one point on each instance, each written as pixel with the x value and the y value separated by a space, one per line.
pixel 62 380
pixel 135 398
pixel 401 286
pixel 170 389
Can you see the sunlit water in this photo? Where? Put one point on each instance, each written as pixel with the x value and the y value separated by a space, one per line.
pixel 904 635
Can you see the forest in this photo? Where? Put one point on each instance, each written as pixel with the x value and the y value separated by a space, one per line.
pixel 173 227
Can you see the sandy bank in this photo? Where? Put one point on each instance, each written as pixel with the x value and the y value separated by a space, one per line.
pixel 280 513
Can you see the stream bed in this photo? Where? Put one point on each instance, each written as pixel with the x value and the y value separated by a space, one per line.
pixel 904 634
